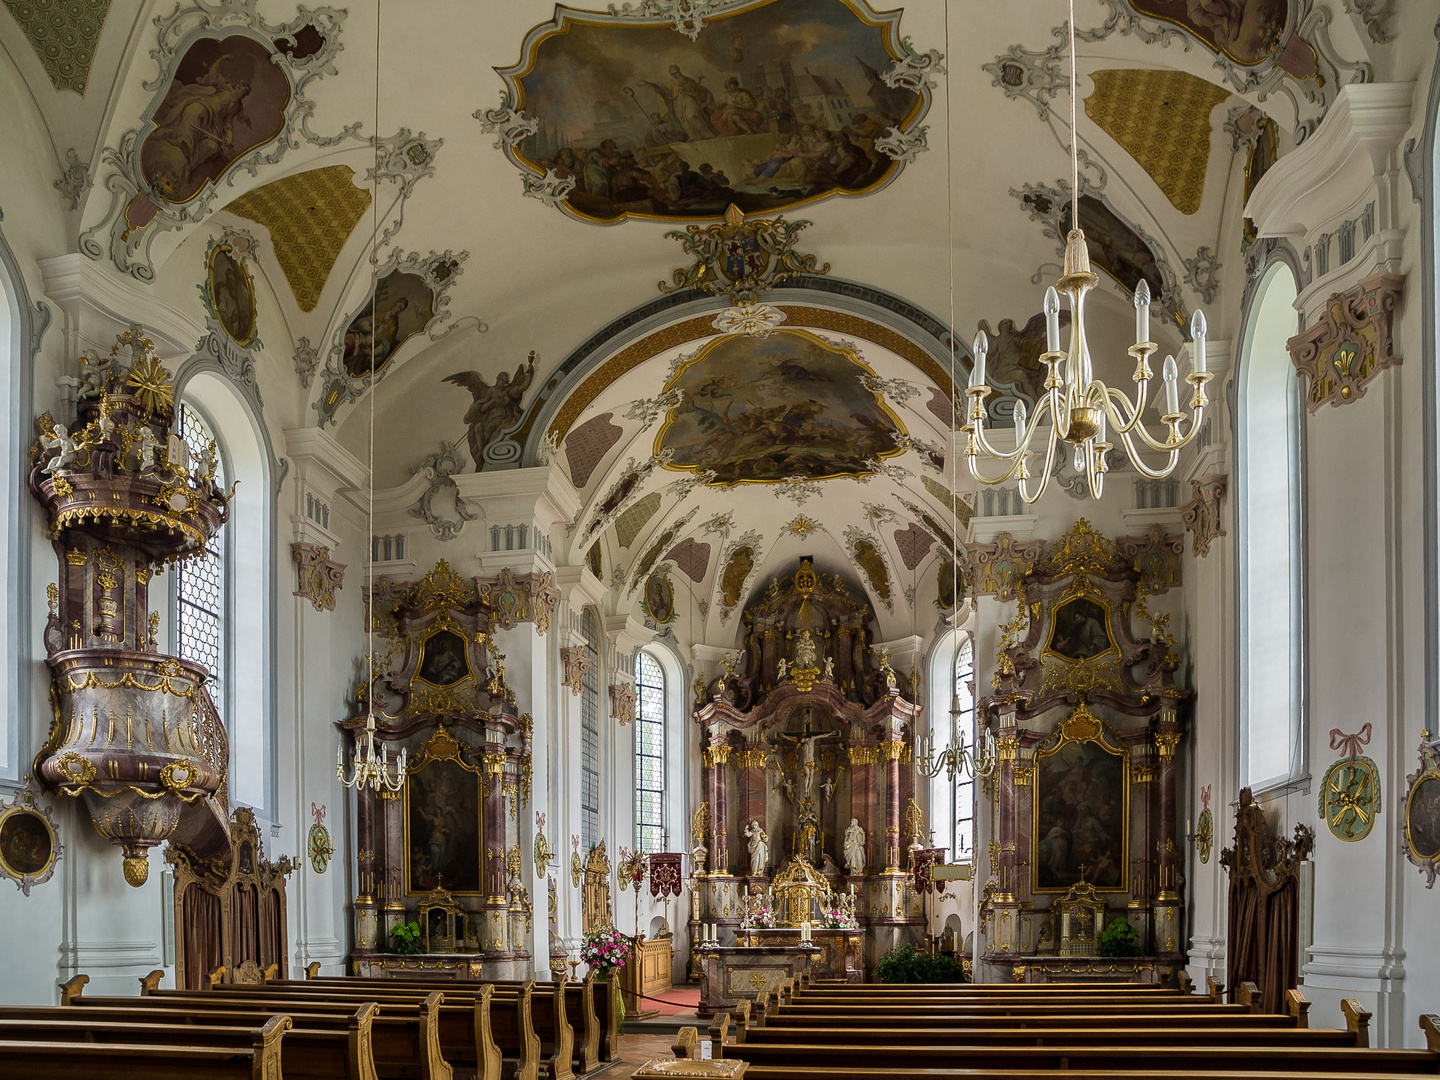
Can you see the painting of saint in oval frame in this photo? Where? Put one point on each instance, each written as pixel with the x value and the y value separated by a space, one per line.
pixel 770 104
pixel 444 658
pixel 29 847
pixel 659 598
pixel 1422 812
pixel 1081 828
pixel 231 294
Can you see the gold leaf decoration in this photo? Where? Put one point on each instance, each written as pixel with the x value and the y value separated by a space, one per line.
pixel 151 383
pixel 1162 119
pixel 309 216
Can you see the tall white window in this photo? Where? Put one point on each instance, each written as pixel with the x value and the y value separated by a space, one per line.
pixel 200 593
pixel 1269 514
pixel 649 754
pixel 952 720
pixel 11 494
pixel 590 734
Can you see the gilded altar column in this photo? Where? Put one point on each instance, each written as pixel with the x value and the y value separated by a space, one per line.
pixel 366 922
pixel 1004 849
pixel 1167 898
pixel 893 750
pixel 716 757
pixel 497 942
pixel 392 863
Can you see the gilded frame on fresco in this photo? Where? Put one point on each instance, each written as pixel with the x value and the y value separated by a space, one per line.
pixel 566 17
pixel 249 292
pixel 849 354
pixel 1080 727
pixel 1292 28
pixel 442 746
pixel 1418 857
pixel 27 878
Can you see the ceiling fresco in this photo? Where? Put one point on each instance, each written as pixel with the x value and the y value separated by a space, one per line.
pixel 761 410
pixel 1249 32
pixel 774 104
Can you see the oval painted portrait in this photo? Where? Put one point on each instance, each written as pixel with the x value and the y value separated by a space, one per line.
pixel 232 295
pixel 27 843
pixel 1422 818
pixel 659 598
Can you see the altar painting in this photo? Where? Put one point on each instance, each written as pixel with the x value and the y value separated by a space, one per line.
pixel 442 829
pixel 1081 818
pixel 777 104
pixel 444 659
pixel 226 98
pixel 765 409
pixel 1080 630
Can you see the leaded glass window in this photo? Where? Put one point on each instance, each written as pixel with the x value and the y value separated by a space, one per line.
pixel 962 704
pixel 590 734
pixel 200 582
pixel 649 754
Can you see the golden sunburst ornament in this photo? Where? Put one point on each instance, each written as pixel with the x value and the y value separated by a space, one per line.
pixel 151 385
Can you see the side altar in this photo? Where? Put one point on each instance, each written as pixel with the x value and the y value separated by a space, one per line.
pixel 808 788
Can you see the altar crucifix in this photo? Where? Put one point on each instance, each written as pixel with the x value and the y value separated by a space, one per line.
pixel 806 768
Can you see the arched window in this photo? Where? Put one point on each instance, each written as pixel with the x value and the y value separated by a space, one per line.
pixel 200 592
pixel 12 364
pixel 649 754
pixel 1268 509
pixel 952 690
pixel 590 734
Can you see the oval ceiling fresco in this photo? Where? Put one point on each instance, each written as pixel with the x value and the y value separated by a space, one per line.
pixel 773 104
pixel 761 410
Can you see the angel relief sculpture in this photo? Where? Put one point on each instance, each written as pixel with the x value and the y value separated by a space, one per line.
pixel 493 408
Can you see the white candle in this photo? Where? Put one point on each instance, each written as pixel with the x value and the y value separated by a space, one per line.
pixel 1172 392
pixel 1142 313
pixel 1197 336
pixel 1052 320
pixel 980 347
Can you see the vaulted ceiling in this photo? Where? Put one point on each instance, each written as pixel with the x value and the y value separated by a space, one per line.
pixel 957 225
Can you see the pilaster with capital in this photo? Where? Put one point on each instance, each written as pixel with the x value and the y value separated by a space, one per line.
pixel 1167 897
pixel 864 792
pixel 892 750
pixel 366 921
pixel 715 758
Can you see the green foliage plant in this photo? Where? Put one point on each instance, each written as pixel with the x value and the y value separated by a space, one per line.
pixel 1118 938
pixel 405 938
pixel 905 965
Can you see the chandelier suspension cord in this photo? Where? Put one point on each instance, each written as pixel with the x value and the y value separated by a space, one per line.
pixel 956 398
pixel 374 300
pixel 1074 134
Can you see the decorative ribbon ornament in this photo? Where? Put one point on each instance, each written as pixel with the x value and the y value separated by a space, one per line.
pixel 1350 744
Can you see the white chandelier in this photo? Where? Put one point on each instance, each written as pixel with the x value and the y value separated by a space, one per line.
pixel 957 759
pixel 1077 407
pixel 370 767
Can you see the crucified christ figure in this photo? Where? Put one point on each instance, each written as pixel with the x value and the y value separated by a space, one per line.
pixel 805 744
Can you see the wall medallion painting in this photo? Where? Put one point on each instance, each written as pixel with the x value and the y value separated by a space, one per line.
pixel 406 305
pixel 1082 809
pixel 29 845
pixel 442 820
pixel 226 98
pixel 760 410
pixel 1422 812
pixel 659 598
pixel 229 290
pixel 772 104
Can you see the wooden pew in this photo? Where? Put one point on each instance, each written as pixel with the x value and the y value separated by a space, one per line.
pixel 548 1006
pixel 321 1052
pixel 403 1040
pixel 482 1027
pixel 37 1060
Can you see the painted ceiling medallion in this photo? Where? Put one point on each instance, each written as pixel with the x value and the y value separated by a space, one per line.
pixel 774 103
pixel 765 410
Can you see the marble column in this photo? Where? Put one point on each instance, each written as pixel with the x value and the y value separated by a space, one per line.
pixel 1005 939
pixel 750 773
pixel 716 757
pixel 366 930
pixel 864 784
pixel 497 942
pixel 1167 897
pixel 893 750
pixel 392 863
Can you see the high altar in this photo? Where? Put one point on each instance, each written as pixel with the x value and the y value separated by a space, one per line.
pixel 808 788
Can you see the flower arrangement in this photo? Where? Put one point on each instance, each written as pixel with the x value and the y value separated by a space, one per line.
pixel 605 949
pixel 834 919
pixel 763 918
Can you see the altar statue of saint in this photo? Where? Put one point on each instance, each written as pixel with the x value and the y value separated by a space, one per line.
pixel 782 669
pixel 805 654
pixel 759 848
pixel 809 834
pixel 855 848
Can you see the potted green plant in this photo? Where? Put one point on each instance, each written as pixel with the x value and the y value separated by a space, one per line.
pixel 1118 938
pixel 905 965
pixel 405 938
